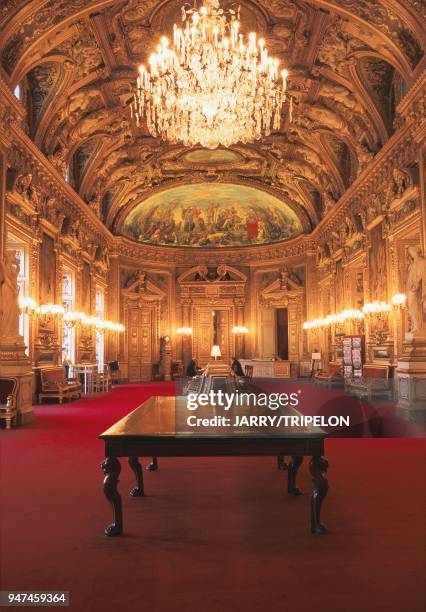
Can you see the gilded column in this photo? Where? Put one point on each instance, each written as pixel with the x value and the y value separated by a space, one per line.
pixel 239 320
pixel 2 201
pixel 113 308
pixel 186 322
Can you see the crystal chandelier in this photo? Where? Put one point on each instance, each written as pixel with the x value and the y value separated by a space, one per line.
pixel 211 86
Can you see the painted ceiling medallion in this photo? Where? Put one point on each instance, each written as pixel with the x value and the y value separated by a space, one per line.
pixel 211 87
pixel 219 215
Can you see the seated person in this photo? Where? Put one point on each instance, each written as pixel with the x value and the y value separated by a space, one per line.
pixel 236 367
pixel 67 363
pixel 192 369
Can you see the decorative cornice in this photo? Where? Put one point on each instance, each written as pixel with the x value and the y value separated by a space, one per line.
pixel 416 94
pixel 397 152
pixel 181 256
pixel 11 113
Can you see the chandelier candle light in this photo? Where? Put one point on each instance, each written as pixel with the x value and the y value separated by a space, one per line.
pixel 211 86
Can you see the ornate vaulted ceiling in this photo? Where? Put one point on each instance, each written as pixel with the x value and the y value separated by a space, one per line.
pixel 350 63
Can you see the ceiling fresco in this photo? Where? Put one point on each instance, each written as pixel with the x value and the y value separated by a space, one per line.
pixel 221 215
pixel 350 62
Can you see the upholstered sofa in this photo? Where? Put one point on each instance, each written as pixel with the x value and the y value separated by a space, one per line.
pixel 375 382
pixel 55 385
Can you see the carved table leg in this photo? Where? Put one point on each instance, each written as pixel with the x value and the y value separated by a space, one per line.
pixel 111 468
pixel 295 463
pixel 153 466
pixel 281 464
pixel 318 468
pixel 137 491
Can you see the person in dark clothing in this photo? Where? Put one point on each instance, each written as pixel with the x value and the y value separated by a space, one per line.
pixel 192 369
pixel 237 367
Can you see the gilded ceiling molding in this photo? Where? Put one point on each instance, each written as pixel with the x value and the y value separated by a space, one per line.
pixel 374 17
pixel 412 106
pixel 181 256
pixel 398 152
pixel 22 148
pixel 36 24
pixel 12 114
pixel 400 149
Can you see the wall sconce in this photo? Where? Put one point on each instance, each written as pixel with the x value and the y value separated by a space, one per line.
pixel 50 310
pixel 46 312
pixel 72 318
pixel 239 329
pixel 101 326
pixel 94 322
pixel 334 319
pixel 113 327
pixel 27 306
pixel 371 309
pixel 375 308
pixel 184 331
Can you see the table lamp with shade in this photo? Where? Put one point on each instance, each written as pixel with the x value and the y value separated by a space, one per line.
pixel 215 352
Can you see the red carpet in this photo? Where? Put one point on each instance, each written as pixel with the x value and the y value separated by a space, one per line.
pixel 212 534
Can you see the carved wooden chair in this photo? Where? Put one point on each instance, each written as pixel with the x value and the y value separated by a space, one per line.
pixel 248 372
pixel 8 401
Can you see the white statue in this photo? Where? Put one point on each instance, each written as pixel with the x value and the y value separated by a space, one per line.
pixel 9 292
pixel 416 288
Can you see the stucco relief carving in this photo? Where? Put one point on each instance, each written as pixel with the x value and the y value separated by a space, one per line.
pixel 82 52
pixel 401 181
pixel 416 289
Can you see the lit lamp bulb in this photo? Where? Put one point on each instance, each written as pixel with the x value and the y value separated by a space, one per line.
pixel 27 305
pixel 184 331
pixel 399 299
pixel 239 329
pixel 215 352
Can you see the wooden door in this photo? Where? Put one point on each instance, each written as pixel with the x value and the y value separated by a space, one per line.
pixel 223 333
pixel 140 334
pixel 204 333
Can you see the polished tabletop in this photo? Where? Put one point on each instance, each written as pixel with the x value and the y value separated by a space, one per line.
pixel 167 417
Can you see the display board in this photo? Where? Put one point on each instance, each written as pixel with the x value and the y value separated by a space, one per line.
pixel 353 356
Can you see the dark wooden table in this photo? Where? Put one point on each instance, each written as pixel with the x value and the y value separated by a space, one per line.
pixel 159 428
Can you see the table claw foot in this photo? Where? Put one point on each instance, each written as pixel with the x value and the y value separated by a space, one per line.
pixel 111 468
pixel 293 467
pixel 318 468
pixel 138 490
pixel 153 466
pixel 113 530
